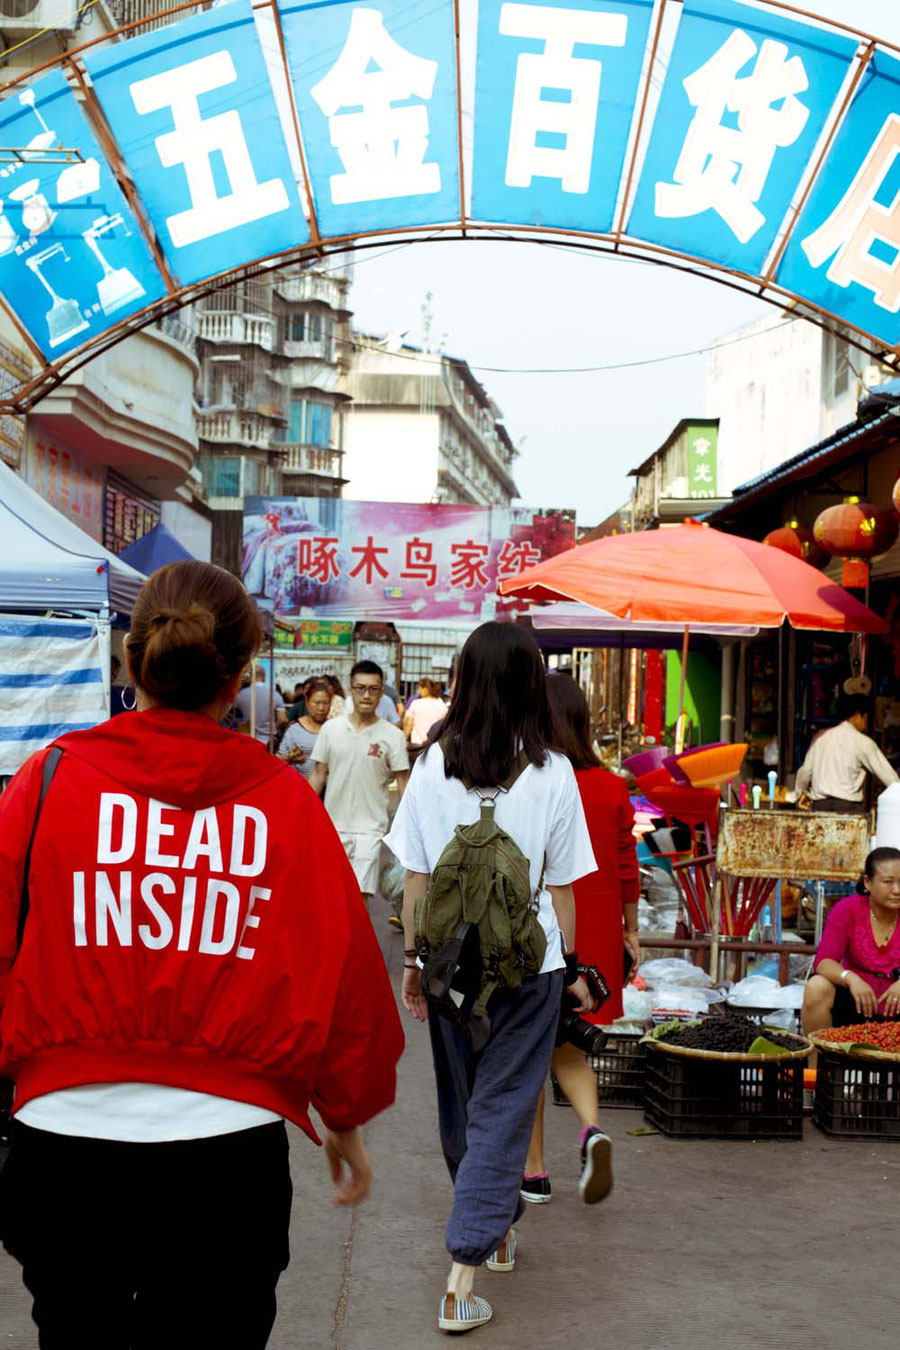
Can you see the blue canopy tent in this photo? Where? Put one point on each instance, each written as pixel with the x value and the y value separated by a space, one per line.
pixel 153 550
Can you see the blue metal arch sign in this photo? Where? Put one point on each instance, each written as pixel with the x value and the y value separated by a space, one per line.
pixel 745 139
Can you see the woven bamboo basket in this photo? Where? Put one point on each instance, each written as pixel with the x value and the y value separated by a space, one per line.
pixel 832 1049
pixel 803 1051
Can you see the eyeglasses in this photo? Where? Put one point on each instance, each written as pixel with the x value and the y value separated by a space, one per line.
pixel 366 690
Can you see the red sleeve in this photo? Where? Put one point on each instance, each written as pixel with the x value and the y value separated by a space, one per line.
pixel 18 805
pixel 834 943
pixel 357 1074
pixel 629 871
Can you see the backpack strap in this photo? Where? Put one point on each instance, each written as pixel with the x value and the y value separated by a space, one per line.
pixel 521 764
pixel 50 766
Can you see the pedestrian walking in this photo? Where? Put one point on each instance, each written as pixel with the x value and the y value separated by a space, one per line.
pixel 268 717
pixel 606 916
pixel 185 963
pixel 495 747
pixel 357 757
pixel 298 743
pixel 832 777
pixel 423 713
pixel 338 697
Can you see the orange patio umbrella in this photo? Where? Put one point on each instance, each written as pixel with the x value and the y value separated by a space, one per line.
pixel 693 574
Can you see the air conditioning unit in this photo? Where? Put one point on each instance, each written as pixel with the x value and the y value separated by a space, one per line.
pixel 34 15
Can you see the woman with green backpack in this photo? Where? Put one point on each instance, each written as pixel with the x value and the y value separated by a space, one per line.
pixel 492 835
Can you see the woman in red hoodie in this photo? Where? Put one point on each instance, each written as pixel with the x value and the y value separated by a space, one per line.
pixel 195 968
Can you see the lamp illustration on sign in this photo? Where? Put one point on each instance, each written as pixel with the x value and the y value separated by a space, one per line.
pixel 37 213
pixel 118 285
pixel 64 318
pixel 45 137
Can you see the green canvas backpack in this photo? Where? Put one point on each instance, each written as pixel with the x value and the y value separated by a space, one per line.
pixel 482 878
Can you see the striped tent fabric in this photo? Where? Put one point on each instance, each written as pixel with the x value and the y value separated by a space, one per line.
pixel 53 678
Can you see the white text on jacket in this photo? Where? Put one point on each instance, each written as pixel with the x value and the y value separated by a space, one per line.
pixel 156 908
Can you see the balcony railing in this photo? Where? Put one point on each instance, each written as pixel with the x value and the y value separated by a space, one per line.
pixel 323 289
pixel 176 329
pixel 236 428
pixel 225 326
pixel 318 459
pixel 126 11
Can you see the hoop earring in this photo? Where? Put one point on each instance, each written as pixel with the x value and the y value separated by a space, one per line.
pixel 129 707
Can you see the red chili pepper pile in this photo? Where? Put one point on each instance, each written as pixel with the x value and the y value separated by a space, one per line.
pixel 884 1035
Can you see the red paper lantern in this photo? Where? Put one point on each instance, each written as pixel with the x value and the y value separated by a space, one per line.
pixel 856 531
pixel 797 540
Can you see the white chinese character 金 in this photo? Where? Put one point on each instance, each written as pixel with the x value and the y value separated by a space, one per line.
pixel 702 473
pixel 382 147
pixel 556 68
pixel 724 168
pixel 859 221
pixel 193 142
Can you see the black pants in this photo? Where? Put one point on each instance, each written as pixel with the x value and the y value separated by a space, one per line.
pixel 149 1246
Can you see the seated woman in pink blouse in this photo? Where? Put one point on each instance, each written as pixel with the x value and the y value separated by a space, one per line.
pixel 857 970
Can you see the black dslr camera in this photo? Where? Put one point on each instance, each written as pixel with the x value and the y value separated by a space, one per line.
pixel 573 1029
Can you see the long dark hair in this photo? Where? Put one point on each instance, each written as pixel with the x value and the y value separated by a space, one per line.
pixel 571 722
pixel 500 705
pixel 873 862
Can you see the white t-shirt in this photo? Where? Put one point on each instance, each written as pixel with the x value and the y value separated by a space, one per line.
pixel 424 712
pixel 542 813
pixel 361 764
pixel 140 1113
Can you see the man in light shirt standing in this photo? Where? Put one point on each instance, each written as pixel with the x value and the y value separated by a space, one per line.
pixel 833 775
pixel 357 755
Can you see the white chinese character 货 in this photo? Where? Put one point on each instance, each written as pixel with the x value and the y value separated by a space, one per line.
pixel 193 142
pixel 382 148
pixel 722 168
pixel 859 221
pixel 556 68
pixel 702 445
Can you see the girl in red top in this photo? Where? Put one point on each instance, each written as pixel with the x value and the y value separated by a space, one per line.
pixel 606 916
pixel 195 967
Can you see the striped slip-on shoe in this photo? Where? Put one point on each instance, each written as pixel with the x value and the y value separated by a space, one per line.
pixel 463 1314
pixel 504 1258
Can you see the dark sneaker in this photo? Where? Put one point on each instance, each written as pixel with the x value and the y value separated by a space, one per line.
pixel 536 1190
pixel 596 1166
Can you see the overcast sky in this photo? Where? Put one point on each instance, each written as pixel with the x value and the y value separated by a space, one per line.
pixel 524 305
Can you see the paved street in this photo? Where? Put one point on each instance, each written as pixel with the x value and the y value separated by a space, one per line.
pixel 702 1246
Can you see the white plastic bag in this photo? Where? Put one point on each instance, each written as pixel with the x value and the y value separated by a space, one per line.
pixel 675 970
pixel 636 1004
pixel 680 998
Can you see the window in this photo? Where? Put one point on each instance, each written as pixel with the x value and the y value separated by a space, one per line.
pixel 297 327
pixel 309 423
pixel 222 475
pixel 315 327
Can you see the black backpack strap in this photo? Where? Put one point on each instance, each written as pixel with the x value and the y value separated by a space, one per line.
pixel 50 766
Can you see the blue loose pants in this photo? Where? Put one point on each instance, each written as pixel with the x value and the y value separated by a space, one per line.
pixel 486 1106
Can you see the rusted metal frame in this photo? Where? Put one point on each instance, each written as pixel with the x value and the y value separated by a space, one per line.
pixel 814 176
pixel 23 331
pixel 648 84
pixel 502 232
pixel 119 165
pixel 459 119
pixel 314 233
pixel 60 155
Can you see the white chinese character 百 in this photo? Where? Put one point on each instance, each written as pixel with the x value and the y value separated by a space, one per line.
pixel 382 147
pixel 724 168
pixel 556 68
pixel 859 221
pixel 193 142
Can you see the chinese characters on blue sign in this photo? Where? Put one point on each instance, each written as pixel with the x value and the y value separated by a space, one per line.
pixel 201 116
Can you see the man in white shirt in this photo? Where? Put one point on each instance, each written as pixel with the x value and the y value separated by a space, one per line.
pixel 833 775
pixel 357 756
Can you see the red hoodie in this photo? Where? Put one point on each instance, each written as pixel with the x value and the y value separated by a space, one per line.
pixel 194 922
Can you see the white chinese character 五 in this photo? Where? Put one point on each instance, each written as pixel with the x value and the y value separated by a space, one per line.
pixel 724 168
pixel 382 147
pixel 859 221
pixel 574 117
pixel 193 142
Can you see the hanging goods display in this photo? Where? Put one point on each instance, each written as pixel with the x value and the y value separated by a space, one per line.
pixel 857 532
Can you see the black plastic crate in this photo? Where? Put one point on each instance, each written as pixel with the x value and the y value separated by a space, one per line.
pixel 692 1097
pixel 621 1069
pixel 857 1098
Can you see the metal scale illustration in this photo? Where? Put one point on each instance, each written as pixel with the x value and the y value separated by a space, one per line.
pixel 117 286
